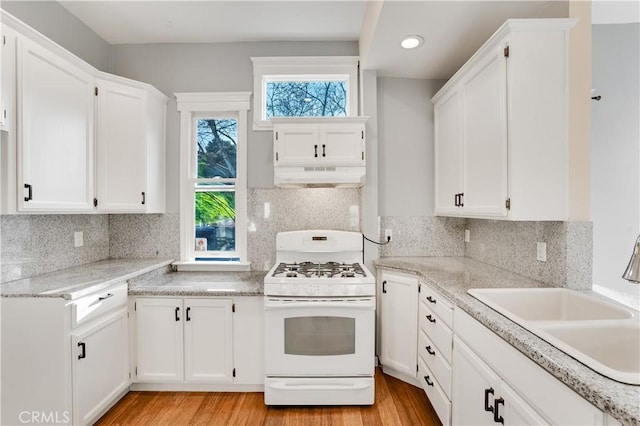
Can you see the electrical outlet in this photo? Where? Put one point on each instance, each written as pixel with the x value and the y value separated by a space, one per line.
pixel 388 234
pixel 467 236
pixel 541 252
pixel 78 239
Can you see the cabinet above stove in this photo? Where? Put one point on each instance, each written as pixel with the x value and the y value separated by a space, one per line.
pixel 315 151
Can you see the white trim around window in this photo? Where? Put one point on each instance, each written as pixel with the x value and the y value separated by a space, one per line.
pixel 191 106
pixel 284 68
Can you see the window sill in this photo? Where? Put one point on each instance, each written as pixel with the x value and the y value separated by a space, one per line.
pixel 195 266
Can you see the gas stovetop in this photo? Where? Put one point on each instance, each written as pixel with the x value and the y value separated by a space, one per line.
pixel 319 270
pixel 319 263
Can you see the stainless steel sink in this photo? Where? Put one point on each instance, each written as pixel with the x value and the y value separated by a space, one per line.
pixel 600 334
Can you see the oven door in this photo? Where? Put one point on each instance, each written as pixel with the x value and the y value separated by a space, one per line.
pixel 319 337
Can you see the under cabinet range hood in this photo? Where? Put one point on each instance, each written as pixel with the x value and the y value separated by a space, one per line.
pixel 319 177
pixel 319 152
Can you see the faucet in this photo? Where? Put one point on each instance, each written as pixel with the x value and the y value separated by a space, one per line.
pixel 632 273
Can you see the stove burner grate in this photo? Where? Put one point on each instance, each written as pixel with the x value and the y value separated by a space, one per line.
pixel 319 270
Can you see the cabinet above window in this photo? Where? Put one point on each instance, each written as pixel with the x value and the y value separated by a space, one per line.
pixel 319 151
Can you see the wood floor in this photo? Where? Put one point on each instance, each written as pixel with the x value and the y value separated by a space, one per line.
pixel 397 403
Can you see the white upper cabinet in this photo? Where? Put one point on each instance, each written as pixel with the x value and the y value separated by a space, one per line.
pixel 7 78
pixel 55 137
pixel 319 151
pixel 129 148
pixel 501 137
pixel 78 140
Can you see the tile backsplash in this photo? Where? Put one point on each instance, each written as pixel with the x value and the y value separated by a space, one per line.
pixel 36 244
pixel 423 236
pixel 512 246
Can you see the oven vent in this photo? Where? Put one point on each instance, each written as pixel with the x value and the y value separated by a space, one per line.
pixel 319 169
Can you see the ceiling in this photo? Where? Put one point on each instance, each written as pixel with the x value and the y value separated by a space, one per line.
pixel 452 30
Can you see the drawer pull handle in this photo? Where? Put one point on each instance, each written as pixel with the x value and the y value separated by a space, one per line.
pixel 176 314
pixel 429 382
pixel 496 416
pixel 188 317
pixel 384 286
pixel 324 154
pixel 431 319
pixel 83 354
pixel 105 297
pixel 431 351
pixel 315 149
pixel 431 299
pixel 487 407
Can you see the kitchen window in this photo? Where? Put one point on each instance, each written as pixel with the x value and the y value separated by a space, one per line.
pixel 213 212
pixel 324 86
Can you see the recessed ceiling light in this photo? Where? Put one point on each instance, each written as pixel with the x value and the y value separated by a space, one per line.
pixel 411 41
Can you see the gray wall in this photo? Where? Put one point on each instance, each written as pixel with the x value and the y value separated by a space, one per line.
pixel 615 155
pixel 54 21
pixel 212 67
pixel 405 129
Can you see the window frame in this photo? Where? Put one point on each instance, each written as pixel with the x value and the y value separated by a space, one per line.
pixel 301 68
pixel 192 107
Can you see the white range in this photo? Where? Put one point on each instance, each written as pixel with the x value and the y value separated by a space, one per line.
pixel 319 321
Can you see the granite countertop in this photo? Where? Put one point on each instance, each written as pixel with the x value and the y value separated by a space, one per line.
pixel 198 284
pixel 453 276
pixel 78 281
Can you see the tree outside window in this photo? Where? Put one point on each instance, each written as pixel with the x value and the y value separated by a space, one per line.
pixel 215 212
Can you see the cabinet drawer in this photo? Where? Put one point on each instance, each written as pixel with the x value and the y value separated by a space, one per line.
pixel 439 304
pixel 437 331
pixel 98 303
pixel 437 397
pixel 436 362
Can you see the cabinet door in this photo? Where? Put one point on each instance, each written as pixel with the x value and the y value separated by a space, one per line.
pixel 121 148
pixel 485 137
pixel 208 340
pixel 7 79
pixel 297 145
pixel 474 388
pixel 515 411
pixel 159 340
pixel 448 153
pixel 55 137
pixel 100 367
pixel 399 329
pixel 342 145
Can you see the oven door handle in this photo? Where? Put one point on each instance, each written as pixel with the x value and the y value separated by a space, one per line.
pixel 270 306
pixel 319 386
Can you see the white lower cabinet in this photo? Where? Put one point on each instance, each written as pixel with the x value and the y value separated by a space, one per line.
pixel 397 324
pixel 100 366
pixel 481 397
pixel 198 341
pixel 494 383
pixel 63 362
pixel 470 375
pixel 184 340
